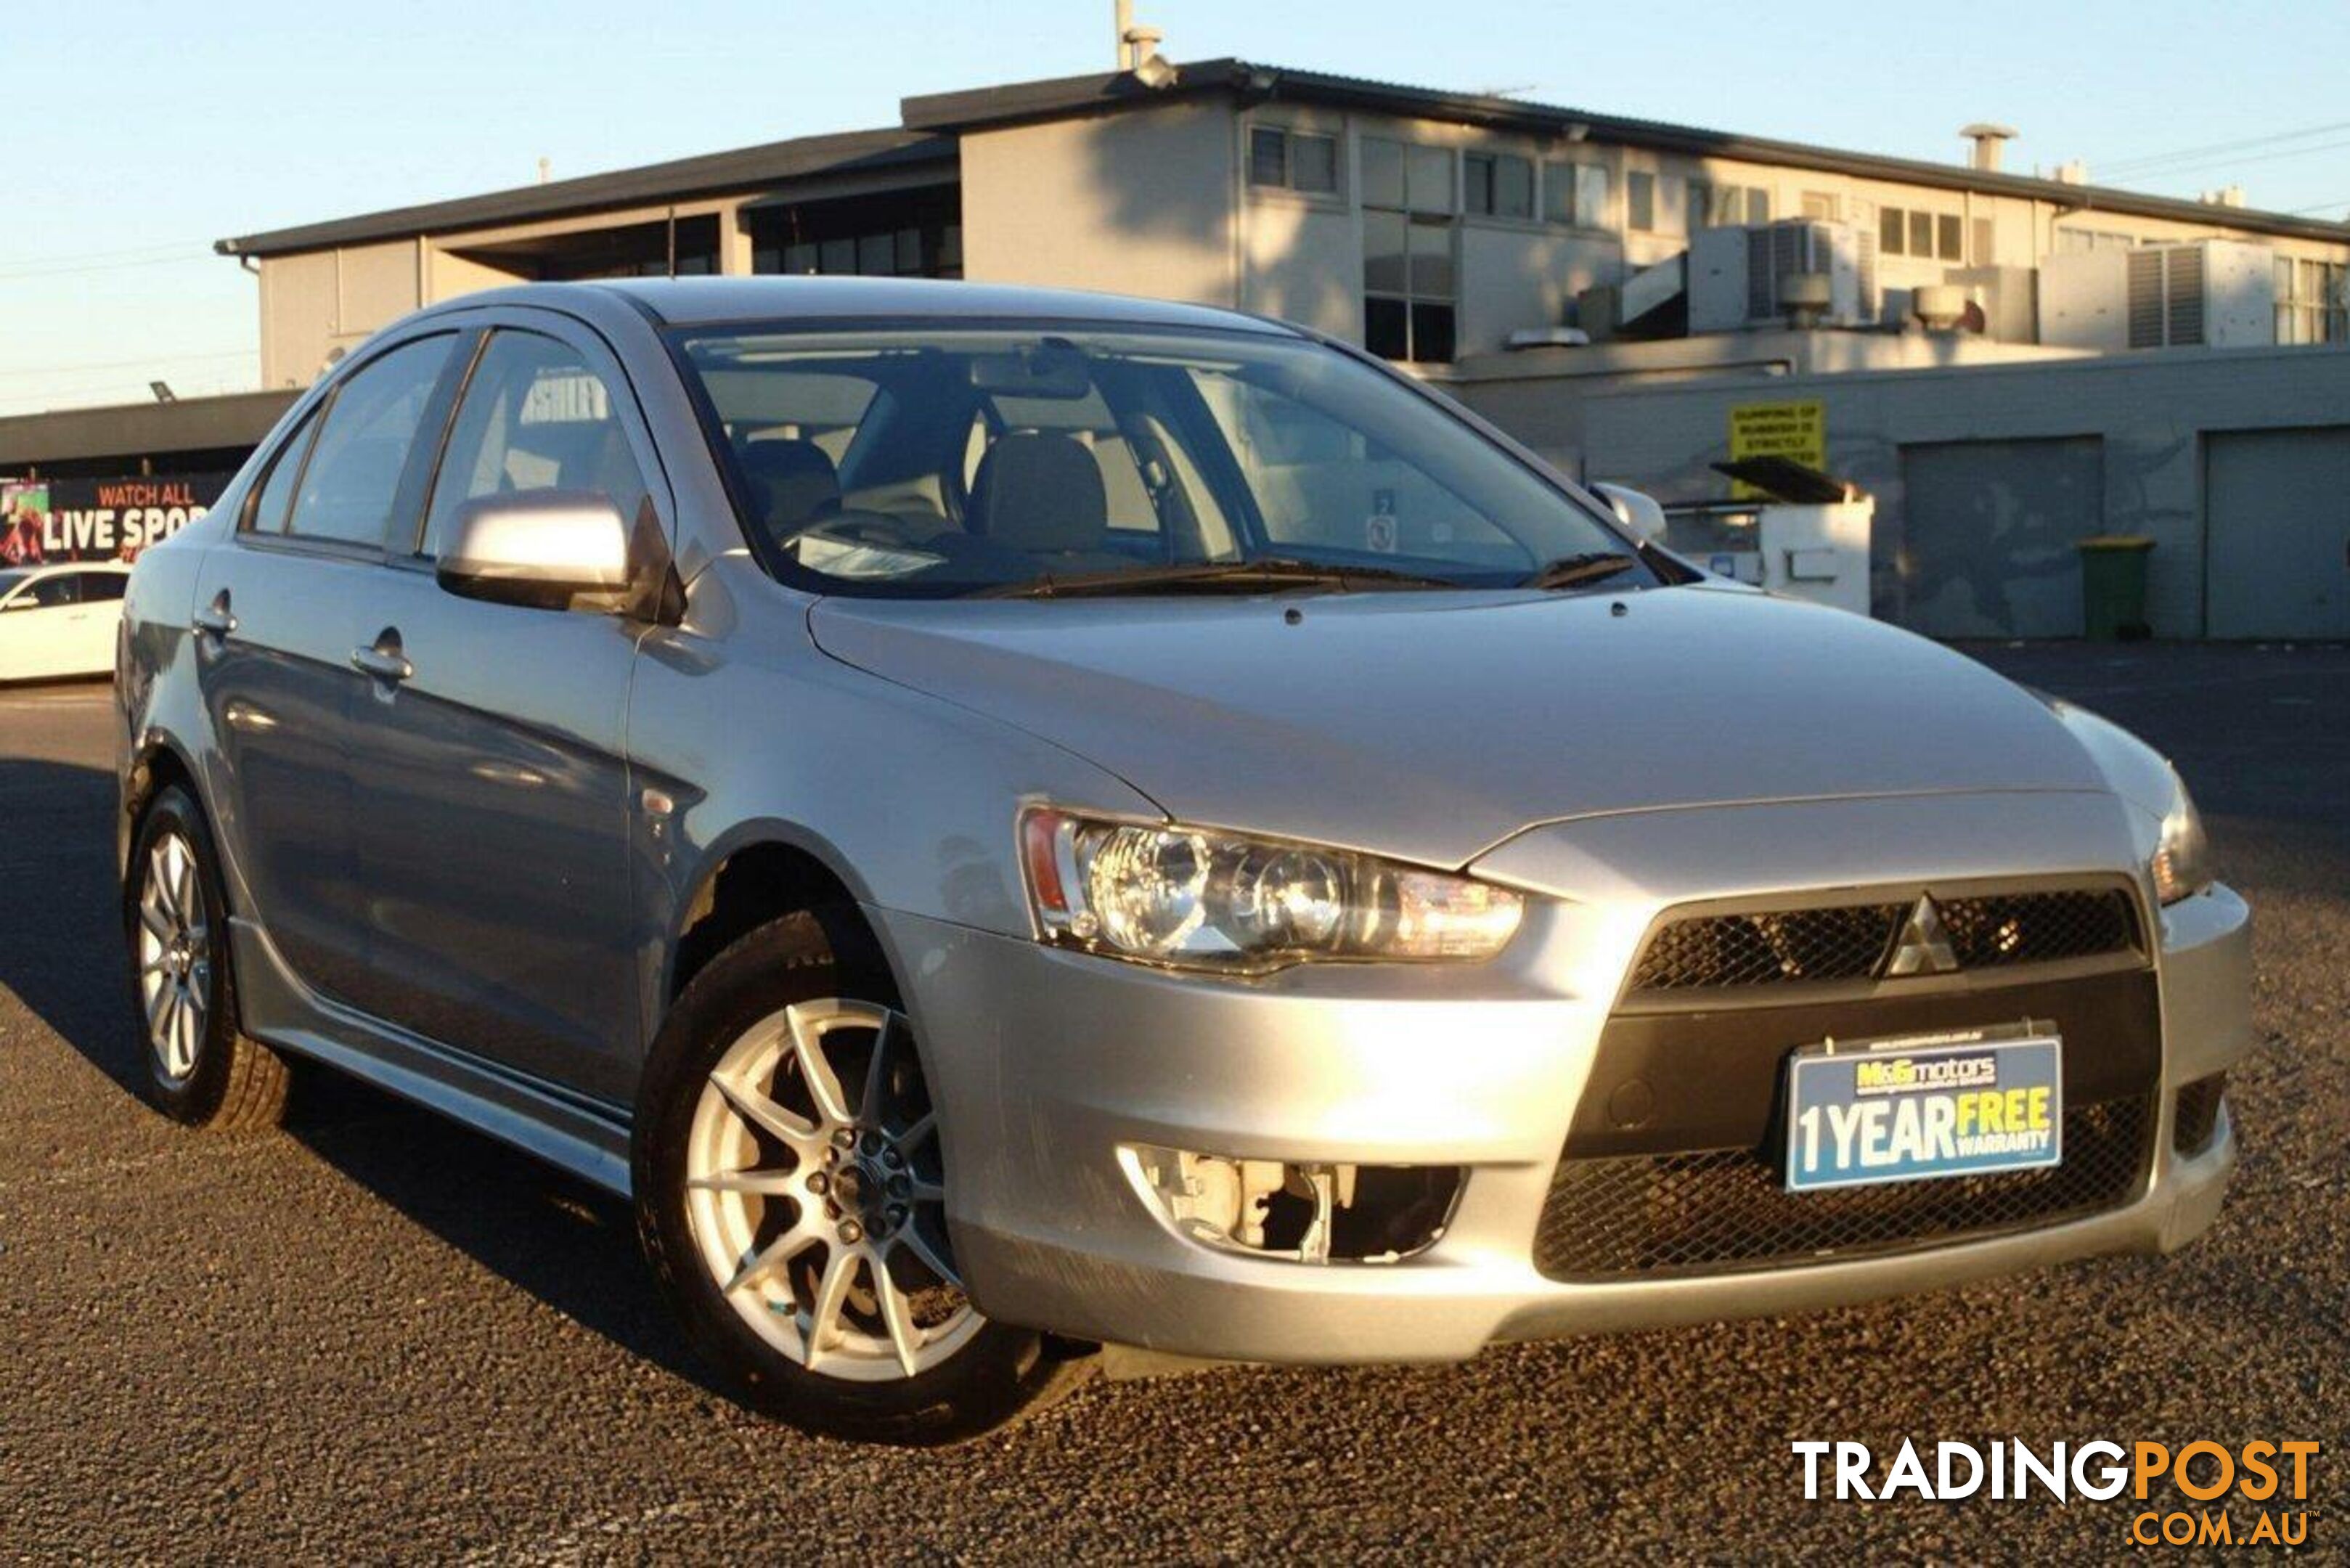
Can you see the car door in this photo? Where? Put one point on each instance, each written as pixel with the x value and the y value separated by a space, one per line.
pixel 491 805
pixel 100 613
pixel 37 636
pixel 278 609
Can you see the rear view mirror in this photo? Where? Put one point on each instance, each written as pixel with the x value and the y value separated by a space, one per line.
pixel 1636 509
pixel 1051 370
pixel 546 549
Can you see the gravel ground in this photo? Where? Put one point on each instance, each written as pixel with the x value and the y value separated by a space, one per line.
pixel 378 1337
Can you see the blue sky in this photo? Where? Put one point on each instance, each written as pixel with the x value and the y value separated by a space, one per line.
pixel 140 132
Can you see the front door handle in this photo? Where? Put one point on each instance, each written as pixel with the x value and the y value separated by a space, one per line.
pixel 384 661
pixel 213 620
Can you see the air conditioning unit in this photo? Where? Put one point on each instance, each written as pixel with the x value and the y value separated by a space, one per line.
pixel 2220 294
pixel 1737 276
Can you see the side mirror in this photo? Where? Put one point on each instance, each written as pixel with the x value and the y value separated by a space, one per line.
pixel 545 550
pixel 1636 509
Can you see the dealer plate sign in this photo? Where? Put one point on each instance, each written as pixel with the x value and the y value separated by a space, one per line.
pixel 1913 1108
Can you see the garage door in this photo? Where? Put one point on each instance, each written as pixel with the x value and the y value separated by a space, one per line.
pixel 1988 526
pixel 2277 507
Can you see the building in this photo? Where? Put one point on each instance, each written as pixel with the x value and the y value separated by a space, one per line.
pixel 1430 226
pixel 1578 276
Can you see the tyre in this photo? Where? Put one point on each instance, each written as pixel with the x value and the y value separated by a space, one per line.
pixel 790 1194
pixel 201 1068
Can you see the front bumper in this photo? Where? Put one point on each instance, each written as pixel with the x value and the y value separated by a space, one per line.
pixel 1047 1063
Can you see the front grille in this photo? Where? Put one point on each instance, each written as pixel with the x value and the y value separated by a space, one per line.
pixel 2196 1119
pixel 1726 1208
pixel 1844 942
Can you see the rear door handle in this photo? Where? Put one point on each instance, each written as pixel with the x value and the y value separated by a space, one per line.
pixel 387 664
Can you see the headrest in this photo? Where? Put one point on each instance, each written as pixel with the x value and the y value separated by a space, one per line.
pixel 1040 491
pixel 793 481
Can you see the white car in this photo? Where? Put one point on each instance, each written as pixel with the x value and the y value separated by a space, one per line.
pixel 60 620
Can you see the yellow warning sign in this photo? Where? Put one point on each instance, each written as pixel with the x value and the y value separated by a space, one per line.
pixel 1797 430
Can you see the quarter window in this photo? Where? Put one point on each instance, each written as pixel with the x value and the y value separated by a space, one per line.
pixel 268 513
pixel 347 487
pixel 1409 285
pixel 536 416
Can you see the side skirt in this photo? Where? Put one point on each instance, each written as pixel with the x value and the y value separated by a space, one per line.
pixel 587 1138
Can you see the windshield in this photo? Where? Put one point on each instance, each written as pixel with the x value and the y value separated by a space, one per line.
pixel 944 463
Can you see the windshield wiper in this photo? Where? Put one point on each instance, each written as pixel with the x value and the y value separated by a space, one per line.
pixel 1268 573
pixel 1571 571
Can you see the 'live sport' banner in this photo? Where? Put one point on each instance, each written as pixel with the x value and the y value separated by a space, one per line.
pixel 98 519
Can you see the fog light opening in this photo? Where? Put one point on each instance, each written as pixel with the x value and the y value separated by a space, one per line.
pixel 1303 1211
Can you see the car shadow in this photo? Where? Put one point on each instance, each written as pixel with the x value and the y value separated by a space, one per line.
pixel 566 1244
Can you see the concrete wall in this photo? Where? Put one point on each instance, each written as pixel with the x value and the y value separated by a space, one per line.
pixel 1139 202
pixel 312 304
pixel 2152 412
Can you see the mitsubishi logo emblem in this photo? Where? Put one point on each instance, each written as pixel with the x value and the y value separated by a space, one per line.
pixel 1924 945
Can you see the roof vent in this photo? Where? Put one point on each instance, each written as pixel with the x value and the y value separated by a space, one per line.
pixel 1138 50
pixel 1988 139
pixel 2073 172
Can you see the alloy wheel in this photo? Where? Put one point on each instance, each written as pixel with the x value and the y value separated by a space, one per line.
pixel 814 1190
pixel 174 955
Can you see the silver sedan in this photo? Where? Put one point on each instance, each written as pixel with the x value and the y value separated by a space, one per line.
pixel 1008 823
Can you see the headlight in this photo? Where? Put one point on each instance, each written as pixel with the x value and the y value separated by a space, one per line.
pixel 2182 861
pixel 1199 898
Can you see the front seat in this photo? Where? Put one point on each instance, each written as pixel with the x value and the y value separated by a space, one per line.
pixel 1042 493
pixel 793 484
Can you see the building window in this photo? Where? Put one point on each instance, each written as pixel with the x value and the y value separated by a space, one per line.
pixel 1909 232
pixel 1576 194
pixel 899 233
pixel 1499 184
pixel 1293 160
pixel 1652 204
pixel 1720 206
pixel 2313 301
pixel 1409 286
pixel 2072 242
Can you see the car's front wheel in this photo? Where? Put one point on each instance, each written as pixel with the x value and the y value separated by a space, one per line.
pixel 791 1193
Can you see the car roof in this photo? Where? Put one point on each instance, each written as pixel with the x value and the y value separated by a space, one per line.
pixel 696 301
pixel 42 568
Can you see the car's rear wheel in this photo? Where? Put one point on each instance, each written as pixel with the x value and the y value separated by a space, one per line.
pixel 201 1069
pixel 791 1192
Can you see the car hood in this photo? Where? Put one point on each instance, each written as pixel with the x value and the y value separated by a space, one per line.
pixel 1432 725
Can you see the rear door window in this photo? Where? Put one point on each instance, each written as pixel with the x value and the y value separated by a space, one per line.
pixel 347 487
pixel 98 587
pixel 58 592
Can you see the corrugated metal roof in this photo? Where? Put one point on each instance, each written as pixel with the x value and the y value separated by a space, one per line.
pixel 931 122
pixel 190 424
pixel 1072 95
pixel 850 152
